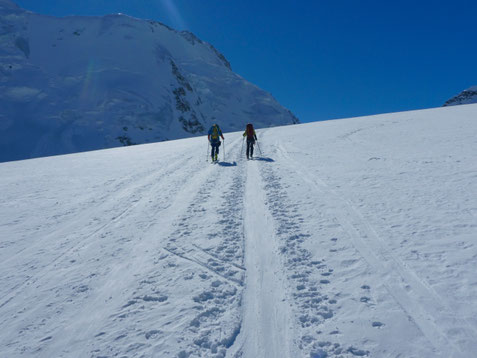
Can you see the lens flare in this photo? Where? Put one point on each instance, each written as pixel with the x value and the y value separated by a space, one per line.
pixel 174 15
pixel 88 91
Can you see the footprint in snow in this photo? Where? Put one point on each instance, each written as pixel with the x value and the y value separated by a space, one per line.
pixel 365 299
pixel 152 334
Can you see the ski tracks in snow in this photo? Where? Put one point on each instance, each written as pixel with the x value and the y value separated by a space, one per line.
pixel 71 237
pixel 306 277
pixel 267 326
pixel 89 260
pixel 178 272
pixel 417 299
pixel 286 300
pixel 123 268
pixel 206 249
pixel 218 260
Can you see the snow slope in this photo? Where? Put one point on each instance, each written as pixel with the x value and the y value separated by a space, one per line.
pixel 467 96
pixel 83 83
pixel 345 238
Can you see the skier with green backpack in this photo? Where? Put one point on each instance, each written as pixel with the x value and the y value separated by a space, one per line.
pixel 214 140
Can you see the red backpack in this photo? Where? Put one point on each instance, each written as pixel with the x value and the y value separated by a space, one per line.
pixel 249 131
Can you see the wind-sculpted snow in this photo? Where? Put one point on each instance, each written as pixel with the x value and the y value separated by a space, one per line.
pixel 341 239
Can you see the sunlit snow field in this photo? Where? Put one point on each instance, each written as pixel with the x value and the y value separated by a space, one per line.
pixel 344 238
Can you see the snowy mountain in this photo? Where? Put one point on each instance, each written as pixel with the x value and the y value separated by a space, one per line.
pixel 342 239
pixel 82 83
pixel 465 97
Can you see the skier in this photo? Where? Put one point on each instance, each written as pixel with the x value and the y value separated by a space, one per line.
pixel 214 134
pixel 251 138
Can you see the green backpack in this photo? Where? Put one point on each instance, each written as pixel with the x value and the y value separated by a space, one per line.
pixel 215 132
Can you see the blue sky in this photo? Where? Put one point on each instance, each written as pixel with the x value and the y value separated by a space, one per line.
pixel 324 59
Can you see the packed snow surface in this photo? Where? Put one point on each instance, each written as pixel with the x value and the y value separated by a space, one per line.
pixel 349 238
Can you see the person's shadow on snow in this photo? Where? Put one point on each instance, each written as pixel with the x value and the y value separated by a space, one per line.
pixel 227 164
pixel 264 159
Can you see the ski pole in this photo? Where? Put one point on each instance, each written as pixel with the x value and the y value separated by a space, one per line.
pixel 207 158
pixel 258 145
pixel 224 149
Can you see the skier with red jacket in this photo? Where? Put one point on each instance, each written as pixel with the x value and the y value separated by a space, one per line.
pixel 251 138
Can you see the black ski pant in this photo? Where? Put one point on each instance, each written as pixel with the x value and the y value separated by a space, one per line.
pixel 250 143
pixel 215 148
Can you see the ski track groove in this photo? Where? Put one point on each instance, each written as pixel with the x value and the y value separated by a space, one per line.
pixel 359 230
pixel 85 241
pixel 188 256
pixel 266 328
pixel 215 257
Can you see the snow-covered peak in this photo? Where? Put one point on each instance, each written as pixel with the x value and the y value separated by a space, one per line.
pixel 83 83
pixel 465 97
